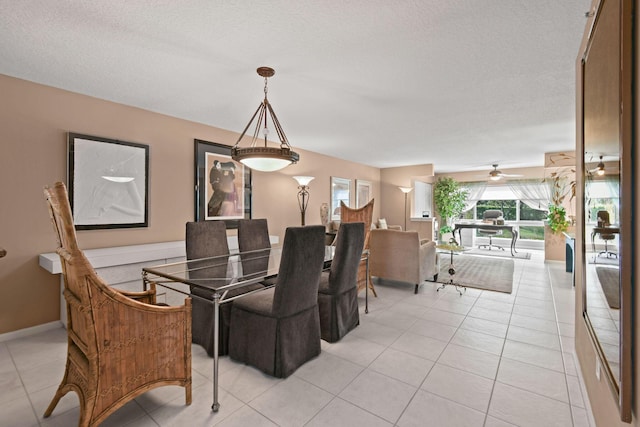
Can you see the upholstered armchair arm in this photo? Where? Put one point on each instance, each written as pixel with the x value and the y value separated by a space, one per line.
pixel 427 259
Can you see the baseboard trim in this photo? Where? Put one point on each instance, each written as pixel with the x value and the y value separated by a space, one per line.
pixel 21 333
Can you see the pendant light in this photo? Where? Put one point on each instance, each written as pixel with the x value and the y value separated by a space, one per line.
pixel 263 157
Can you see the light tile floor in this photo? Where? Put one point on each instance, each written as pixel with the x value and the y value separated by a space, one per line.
pixel 432 359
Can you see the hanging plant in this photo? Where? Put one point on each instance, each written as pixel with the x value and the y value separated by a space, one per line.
pixel 557 219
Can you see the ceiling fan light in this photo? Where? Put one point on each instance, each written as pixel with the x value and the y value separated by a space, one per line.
pixel 600 168
pixel 494 177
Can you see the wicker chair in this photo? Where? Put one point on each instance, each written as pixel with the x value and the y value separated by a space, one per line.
pixel 120 345
pixel 365 215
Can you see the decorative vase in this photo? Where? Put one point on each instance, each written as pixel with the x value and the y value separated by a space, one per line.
pixel 324 214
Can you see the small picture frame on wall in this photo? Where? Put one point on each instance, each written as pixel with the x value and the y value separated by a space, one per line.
pixel 108 182
pixel 363 192
pixel 222 185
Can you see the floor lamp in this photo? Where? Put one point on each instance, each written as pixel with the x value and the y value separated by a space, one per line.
pixel 406 191
pixel 303 194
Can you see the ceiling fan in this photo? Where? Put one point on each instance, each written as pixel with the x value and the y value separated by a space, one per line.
pixel 598 170
pixel 496 174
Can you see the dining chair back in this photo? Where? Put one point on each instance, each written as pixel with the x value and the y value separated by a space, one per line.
pixel 207 239
pixel 278 329
pixel 253 235
pixel 338 289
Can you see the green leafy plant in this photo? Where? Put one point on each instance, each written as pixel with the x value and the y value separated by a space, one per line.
pixel 562 186
pixel 557 219
pixel 449 199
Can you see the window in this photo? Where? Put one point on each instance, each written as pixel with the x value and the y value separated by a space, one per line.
pixel 529 220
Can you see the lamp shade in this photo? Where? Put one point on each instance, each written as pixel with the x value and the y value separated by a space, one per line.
pixel 303 180
pixel 406 189
pixel 263 161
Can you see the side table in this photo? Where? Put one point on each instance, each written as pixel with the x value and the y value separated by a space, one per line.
pixel 452 270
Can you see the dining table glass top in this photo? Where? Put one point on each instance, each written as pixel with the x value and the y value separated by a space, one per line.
pixel 224 272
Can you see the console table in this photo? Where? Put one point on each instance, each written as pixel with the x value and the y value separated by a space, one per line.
pixel 511 228
pixel 121 266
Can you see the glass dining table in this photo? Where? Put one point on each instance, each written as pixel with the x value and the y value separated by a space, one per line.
pixel 220 275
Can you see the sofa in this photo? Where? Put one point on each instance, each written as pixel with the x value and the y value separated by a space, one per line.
pixel 401 256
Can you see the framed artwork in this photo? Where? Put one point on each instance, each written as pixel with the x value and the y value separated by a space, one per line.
pixel 340 191
pixel 363 192
pixel 222 185
pixel 108 182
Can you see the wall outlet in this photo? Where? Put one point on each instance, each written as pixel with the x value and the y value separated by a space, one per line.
pixel 598 368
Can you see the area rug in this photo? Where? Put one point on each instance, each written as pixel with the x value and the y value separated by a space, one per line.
pixel 498 253
pixel 479 272
pixel 603 260
pixel 610 281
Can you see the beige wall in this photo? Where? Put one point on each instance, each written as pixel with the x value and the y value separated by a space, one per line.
pixel 34 120
pixel 601 398
pixel 392 178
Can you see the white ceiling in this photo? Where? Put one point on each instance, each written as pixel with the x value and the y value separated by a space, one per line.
pixel 461 84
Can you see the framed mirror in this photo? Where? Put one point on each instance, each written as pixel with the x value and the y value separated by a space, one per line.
pixel 364 192
pixel 340 191
pixel 607 194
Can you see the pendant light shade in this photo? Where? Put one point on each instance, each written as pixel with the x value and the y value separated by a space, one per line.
pixel 263 157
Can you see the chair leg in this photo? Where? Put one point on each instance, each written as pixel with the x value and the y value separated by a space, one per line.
pixel 491 245
pixel 416 291
pixel 187 394
pixel 54 401
pixel 372 288
pixel 607 252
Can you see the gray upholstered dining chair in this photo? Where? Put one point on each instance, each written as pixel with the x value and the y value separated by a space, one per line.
pixel 277 330
pixel 206 239
pixel 490 215
pixel 253 234
pixel 338 290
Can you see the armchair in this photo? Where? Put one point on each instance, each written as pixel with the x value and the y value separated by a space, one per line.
pixel 119 344
pixel 402 256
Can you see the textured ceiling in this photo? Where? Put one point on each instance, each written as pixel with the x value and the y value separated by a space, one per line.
pixel 460 84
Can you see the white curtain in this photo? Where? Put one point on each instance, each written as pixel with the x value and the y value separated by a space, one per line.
pixel 532 192
pixel 476 190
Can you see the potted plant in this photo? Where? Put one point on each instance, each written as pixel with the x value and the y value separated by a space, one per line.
pixel 449 199
pixel 557 219
pixel 561 187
